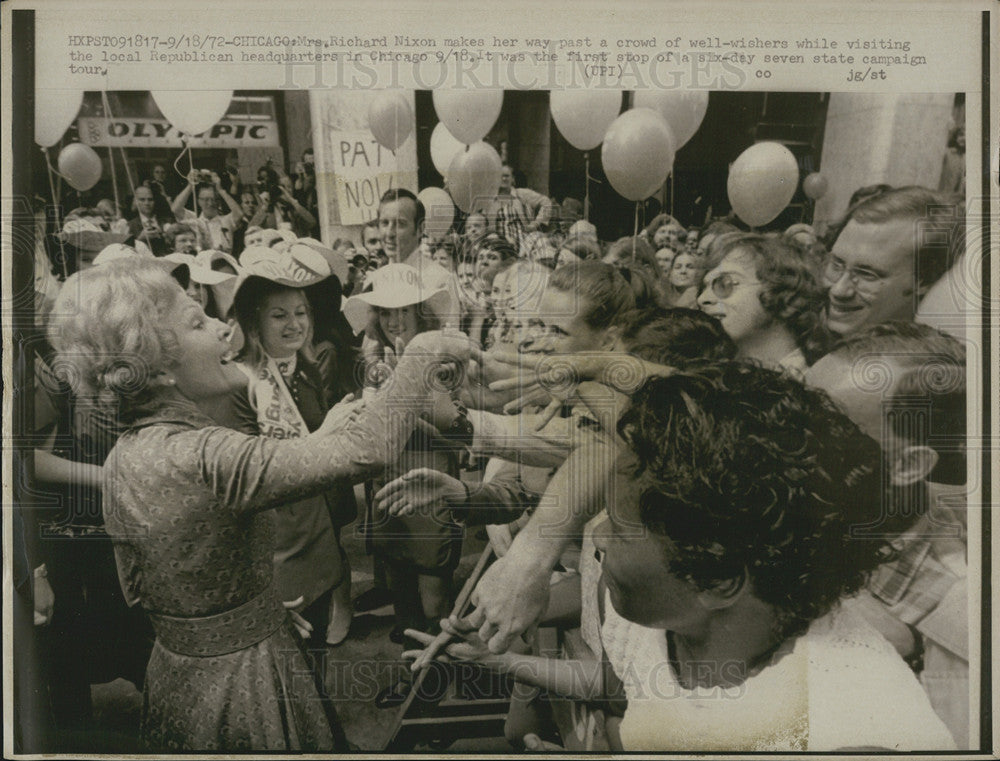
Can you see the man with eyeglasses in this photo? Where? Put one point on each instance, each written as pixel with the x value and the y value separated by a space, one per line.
pixel 215 229
pixel 893 247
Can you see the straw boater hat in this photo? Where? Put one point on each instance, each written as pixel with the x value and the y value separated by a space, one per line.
pixel 210 256
pixel 199 272
pixel 395 286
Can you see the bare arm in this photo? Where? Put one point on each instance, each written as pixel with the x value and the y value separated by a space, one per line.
pixel 177 207
pixel 55 469
pixel 234 208
pixel 514 592
pixel 251 473
pixel 513 437
pixel 575 679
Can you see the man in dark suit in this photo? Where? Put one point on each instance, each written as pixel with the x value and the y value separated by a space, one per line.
pixel 148 227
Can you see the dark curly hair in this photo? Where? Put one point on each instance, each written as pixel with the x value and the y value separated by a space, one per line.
pixel 792 294
pixel 675 337
pixel 748 471
pixel 644 287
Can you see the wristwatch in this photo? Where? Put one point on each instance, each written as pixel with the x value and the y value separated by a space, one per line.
pixel 460 431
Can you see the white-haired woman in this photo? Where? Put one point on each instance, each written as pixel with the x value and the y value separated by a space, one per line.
pixel 185 503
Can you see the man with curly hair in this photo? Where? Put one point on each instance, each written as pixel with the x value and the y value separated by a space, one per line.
pixel 732 537
pixel 734 502
pixel 765 295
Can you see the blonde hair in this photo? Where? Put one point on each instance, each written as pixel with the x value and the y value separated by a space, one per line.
pixel 107 329
pixel 248 307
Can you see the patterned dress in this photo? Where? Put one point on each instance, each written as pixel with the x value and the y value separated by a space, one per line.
pixel 186 505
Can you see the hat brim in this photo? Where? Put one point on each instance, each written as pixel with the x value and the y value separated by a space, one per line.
pixel 207 276
pixel 357 309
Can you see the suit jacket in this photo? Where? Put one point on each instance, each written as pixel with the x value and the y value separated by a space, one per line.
pixel 157 243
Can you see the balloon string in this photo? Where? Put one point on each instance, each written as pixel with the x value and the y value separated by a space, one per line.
pixel 58 222
pixel 586 186
pixel 635 230
pixel 178 160
pixel 57 197
pixel 128 172
pixel 114 179
pixel 194 193
pixel 671 195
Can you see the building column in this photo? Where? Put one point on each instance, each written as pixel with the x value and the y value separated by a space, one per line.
pixel 870 138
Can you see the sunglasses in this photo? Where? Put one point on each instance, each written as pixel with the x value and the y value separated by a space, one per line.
pixel 724 285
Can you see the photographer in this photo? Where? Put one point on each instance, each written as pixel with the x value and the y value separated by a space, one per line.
pixel 215 230
pixel 305 181
pixel 284 211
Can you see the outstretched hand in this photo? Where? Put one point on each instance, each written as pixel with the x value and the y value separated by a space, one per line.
pixel 509 600
pixel 344 412
pixel 468 647
pixel 416 490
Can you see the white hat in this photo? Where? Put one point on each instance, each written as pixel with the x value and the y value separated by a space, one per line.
pixel 119 251
pixel 199 273
pixel 582 227
pixel 269 237
pixel 298 269
pixel 80 224
pixel 395 286
pixel 210 256
pixel 86 234
pixel 301 269
pixel 339 267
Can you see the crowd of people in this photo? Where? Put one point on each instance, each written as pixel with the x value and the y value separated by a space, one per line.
pixel 752 445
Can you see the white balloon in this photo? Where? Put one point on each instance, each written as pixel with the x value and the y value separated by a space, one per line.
pixel 583 116
pixel 444 148
pixel 474 176
pixel 469 115
pixel 761 182
pixel 638 153
pixel 80 166
pixel 193 111
pixel 390 118
pixel 684 110
pixel 55 110
pixel 439 211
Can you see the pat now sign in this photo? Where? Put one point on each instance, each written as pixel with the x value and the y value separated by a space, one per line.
pixel 363 170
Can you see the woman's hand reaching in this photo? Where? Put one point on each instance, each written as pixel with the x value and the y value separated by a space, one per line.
pixel 419 489
pixel 342 413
